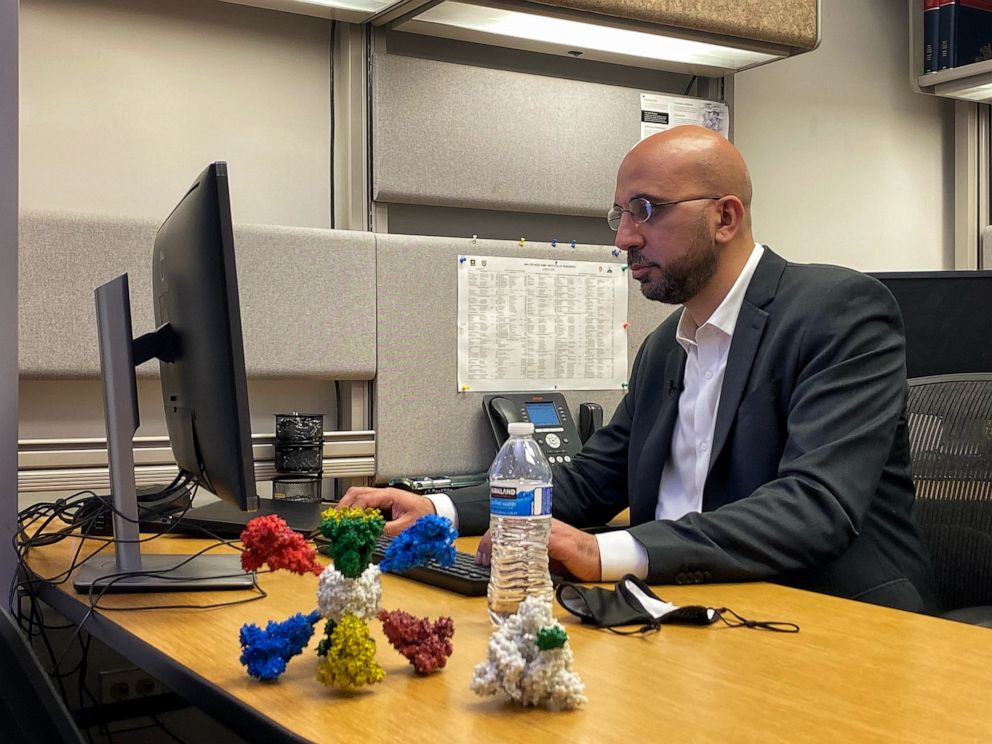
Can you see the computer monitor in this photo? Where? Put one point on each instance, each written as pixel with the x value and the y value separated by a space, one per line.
pixel 204 386
pixel 199 346
pixel 944 313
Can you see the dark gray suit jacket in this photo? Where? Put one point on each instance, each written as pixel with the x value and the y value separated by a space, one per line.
pixel 809 480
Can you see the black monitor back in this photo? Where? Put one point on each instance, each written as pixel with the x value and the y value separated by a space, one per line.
pixel 946 314
pixel 204 388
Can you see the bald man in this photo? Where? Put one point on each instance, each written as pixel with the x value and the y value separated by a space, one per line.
pixel 763 435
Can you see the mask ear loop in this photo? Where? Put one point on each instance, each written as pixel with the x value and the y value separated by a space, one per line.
pixel 652 627
pixel 740 622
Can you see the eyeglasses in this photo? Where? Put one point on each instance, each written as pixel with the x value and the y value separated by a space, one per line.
pixel 641 210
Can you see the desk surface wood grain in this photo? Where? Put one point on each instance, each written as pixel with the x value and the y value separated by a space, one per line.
pixel 855 672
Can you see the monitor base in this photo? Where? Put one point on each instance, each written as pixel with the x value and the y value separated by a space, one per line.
pixel 163 573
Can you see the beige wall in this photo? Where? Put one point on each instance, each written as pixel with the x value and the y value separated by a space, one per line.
pixel 124 102
pixel 849 165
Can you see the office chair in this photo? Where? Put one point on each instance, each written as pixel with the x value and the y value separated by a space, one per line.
pixel 950 435
pixel 30 708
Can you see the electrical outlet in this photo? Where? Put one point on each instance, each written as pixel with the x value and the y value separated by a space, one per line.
pixel 118 685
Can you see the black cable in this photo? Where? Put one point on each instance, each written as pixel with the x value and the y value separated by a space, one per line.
pixel 83 690
pixel 76 517
pixel 109 580
pixel 165 729
pixel 689 86
pixel 35 530
pixel 146 726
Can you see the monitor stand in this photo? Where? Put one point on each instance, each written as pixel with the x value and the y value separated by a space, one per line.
pixel 128 570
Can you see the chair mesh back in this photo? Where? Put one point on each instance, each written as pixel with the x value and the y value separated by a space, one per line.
pixel 950 433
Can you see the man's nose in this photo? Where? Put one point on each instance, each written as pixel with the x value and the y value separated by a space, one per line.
pixel 628 235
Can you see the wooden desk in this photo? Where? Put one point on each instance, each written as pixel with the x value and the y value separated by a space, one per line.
pixel 855 673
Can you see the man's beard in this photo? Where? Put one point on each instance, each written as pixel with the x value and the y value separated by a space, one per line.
pixel 684 277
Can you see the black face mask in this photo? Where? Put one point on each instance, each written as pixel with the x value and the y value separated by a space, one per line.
pixel 631 602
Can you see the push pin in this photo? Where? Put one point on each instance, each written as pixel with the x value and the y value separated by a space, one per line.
pixel 465 388
pixel 624 267
pixel 521 242
pixel 626 325
pixel 554 242
pixel 573 243
pixel 615 251
pixel 475 239
pixel 461 259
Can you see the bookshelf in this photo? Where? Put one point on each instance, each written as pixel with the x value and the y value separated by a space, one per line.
pixel 968 82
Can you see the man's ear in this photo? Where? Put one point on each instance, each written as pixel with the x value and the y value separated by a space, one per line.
pixel 731 212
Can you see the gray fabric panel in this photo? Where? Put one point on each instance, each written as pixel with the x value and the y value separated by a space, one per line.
pixel 460 136
pixel 307 295
pixel 423 425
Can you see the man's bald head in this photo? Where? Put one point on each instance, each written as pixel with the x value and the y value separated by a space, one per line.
pixel 693 155
pixel 691 242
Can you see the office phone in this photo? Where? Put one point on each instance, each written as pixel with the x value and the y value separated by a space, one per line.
pixel 554 430
pixel 554 427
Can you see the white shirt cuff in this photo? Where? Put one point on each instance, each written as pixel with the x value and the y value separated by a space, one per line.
pixel 444 507
pixel 620 554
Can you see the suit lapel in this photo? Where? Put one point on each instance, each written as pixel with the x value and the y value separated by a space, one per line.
pixel 744 347
pixel 659 443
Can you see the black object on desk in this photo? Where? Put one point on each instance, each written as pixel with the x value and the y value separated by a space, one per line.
pixel 226 520
pixel 423 484
pixel 464 576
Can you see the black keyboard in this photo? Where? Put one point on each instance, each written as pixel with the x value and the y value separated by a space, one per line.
pixel 464 576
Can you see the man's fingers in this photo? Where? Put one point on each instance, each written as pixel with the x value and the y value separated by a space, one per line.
pixel 396 526
pixel 401 508
pixel 363 496
pixel 484 553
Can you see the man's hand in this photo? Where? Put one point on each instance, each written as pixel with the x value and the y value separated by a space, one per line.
pixel 572 552
pixel 575 551
pixel 404 507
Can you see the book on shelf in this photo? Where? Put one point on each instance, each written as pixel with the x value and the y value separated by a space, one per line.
pixel 931 34
pixel 964 33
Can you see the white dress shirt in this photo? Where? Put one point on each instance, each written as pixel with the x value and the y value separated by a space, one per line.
pixel 687 465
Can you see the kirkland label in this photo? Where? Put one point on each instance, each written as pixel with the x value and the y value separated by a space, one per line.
pixel 508 501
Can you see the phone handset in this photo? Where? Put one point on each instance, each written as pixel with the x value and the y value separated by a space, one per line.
pixel 502 413
pixel 590 419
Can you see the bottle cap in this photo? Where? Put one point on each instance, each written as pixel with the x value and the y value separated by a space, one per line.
pixel 518 428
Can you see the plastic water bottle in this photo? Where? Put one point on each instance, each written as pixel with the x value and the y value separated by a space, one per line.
pixel 520 522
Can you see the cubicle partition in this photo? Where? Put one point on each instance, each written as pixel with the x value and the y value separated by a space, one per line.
pixel 318 307
pixel 308 318
pixel 307 295
pixel 460 136
pixel 945 315
pixel 424 424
